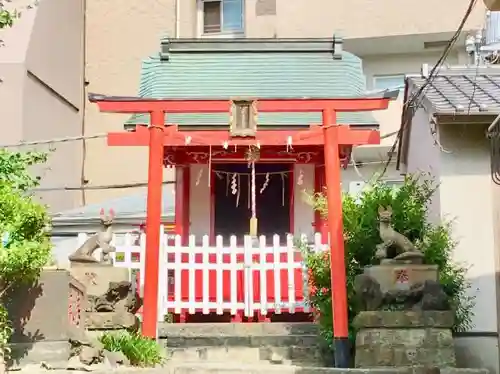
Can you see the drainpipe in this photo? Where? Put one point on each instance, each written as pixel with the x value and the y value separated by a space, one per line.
pixel 493 124
pixel 177 18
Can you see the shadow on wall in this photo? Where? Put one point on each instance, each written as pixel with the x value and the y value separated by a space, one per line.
pixel 41 320
pixel 20 304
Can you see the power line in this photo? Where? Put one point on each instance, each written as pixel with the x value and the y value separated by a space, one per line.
pixel 96 136
pixel 54 140
pixel 410 106
pixel 97 187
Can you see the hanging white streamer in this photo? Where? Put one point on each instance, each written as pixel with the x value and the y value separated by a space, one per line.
pixel 300 178
pixel 248 193
pixel 239 191
pixel 282 189
pixel 234 186
pixel 254 205
pixel 266 183
pixel 198 178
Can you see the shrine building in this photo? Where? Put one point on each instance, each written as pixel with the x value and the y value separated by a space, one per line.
pixel 217 189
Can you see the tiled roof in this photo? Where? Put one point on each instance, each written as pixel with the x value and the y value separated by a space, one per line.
pixel 462 91
pixel 230 69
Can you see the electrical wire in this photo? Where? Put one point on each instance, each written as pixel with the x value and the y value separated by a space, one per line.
pixel 415 101
pixel 53 141
pixel 97 187
pixel 112 186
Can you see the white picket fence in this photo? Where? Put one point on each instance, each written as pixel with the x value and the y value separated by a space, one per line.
pixel 258 276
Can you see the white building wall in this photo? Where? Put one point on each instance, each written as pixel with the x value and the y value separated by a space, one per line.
pixel 199 205
pixel 465 178
pixel 461 164
pixel 303 214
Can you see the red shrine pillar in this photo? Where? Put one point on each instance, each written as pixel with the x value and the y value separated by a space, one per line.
pixel 337 252
pixel 153 222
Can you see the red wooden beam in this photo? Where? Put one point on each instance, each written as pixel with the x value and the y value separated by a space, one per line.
pixel 140 105
pixel 337 251
pixel 175 138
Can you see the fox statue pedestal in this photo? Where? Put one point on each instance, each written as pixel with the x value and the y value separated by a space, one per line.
pixel 406 319
pixel 404 338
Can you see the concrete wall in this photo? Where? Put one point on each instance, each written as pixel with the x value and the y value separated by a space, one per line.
pixel 42 90
pixel 465 171
pixel 119 35
pixel 353 19
pixel 461 164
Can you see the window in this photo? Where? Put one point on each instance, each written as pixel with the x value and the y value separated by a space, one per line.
pixel 384 82
pixel 221 16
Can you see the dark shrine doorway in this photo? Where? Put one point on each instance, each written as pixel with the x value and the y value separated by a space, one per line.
pixel 233 211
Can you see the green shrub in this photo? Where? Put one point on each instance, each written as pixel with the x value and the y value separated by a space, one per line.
pixel 140 351
pixel 360 214
pixel 25 246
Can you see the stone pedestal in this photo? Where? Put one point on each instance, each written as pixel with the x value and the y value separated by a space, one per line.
pixel 96 277
pixel 112 301
pixel 395 276
pixel 45 316
pixel 404 338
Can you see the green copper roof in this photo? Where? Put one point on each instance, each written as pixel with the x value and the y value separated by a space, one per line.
pixel 249 68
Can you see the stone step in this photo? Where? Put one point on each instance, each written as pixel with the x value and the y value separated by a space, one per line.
pixel 286 355
pixel 243 341
pixel 236 329
pixel 229 368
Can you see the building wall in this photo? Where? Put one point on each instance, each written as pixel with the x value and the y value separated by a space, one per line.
pixel 42 91
pixel 465 167
pixel 119 35
pixel 353 19
pixel 461 164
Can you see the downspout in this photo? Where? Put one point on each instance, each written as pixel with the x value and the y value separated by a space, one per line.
pixel 177 18
pixel 83 180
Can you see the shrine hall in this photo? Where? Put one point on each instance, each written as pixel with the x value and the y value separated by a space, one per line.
pixel 226 173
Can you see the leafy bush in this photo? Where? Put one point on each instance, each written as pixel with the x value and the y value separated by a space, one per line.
pixel 360 214
pixel 140 351
pixel 24 229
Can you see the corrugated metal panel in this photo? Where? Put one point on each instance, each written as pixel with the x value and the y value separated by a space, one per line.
pixel 261 75
pixel 125 206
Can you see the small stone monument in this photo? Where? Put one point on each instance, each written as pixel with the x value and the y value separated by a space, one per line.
pixel 406 319
pixel 111 299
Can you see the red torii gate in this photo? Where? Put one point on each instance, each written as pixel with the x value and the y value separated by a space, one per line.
pixel 330 135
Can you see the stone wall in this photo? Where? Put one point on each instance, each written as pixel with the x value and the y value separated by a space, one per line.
pixel 44 316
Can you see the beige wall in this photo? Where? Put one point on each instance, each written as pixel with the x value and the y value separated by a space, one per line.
pixel 461 164
pixel 42 91
pixel 352 19
pixel 119 36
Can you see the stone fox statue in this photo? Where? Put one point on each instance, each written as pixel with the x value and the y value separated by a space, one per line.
pixel 99 240
pixel 390 236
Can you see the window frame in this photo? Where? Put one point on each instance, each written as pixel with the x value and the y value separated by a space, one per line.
pixel 388 76
pixel 221 33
